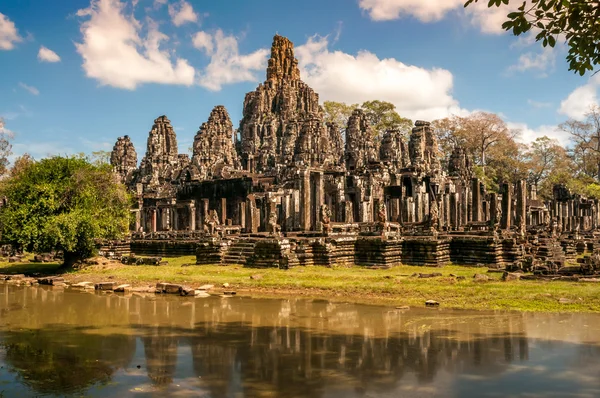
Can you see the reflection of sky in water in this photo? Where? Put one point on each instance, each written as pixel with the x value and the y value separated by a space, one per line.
pixel 92 345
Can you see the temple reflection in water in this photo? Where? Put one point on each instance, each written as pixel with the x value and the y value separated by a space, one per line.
pixel 56 342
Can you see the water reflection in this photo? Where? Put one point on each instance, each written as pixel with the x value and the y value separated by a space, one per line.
pixel 57 342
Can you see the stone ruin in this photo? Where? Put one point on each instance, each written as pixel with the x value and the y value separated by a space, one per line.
pixel 286 189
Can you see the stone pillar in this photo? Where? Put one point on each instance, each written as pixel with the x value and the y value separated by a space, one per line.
pixel 454 211
pixel 305 201
pixel 476 200
pixel 223 211
pixel 153 220
pixel 319 199
pixel 192 211
pixel 506 206
pixel 242 211
pixel 521 205
pixel 175 222
pixel 493 210
pixel 253 220
pixel 348 211
pixel 464 206
pixel 138 220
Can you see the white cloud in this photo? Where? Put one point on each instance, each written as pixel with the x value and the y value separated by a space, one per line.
pixel 578 103
pixel 226 64
pixel 115 54
pixel 47 55
pixel 542 62
pixel 8 33
pixel 423 10
pixel 487 19
pixel 4 130
pixel 203 41
pixel 528 134
pixel 182 13
pixel 539 104
pixel 31 89
pixel 417 93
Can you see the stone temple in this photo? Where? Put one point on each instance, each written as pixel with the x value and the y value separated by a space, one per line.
pixel 286 188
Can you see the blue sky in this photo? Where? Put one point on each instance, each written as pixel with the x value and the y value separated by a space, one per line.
pixel 77 74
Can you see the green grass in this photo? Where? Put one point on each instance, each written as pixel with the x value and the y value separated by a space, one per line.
pixel 395 286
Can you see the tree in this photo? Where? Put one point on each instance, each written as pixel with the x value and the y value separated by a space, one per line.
pixel 545 157
pixel 338 112
pixel 100 157
pixel 383 117
pixel 65 204
pixel 574 20
pixel 5 147
pixel 586 137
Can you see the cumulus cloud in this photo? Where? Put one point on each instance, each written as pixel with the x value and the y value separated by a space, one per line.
pixel 542 62
pixel 423 10
pixel 487 19
pixel 8 33
pixel 579 101
pixel 31 89
pixel 227 65
pixel 47 55
pixel 115 53
pixel 528 134
pixel 182 13
pixel 417 93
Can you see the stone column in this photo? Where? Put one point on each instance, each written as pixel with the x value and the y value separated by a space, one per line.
pixel 506 206
pixel 464 206
pixel 192 211
pixel 223 211
pixel 153 220
pixel 138 220
pixel 175 221
pixel 253 220
pixel 493 210
pixel 454 211
pixel 521 205
pixel 305 201
pixel 319 199
pixel 476 199
pixel 242 211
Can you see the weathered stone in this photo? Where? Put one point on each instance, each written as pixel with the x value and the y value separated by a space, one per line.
pixel 105 286
pixel 214 155
pixel 51 280
pixel 481 278
pixel 510 276
pixel 360 144
pixel 432 303
pixel 123 159
pixel 124 288
pixel 282 120
pixel 256 277
pixel 205 287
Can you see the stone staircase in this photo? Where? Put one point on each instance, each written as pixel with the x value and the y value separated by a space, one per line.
pixel 239 251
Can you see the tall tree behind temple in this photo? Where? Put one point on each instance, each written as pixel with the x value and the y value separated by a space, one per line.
pixel 586 138
pixel 488 141
pixel 548 163
pixel 5 147
pixel 382 116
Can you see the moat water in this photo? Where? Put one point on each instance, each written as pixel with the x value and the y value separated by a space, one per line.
pixel 67 343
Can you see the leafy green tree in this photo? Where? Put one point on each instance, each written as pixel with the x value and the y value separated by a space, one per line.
pixel 586 138
pixel 5 147
pixel 545 157
pixel 338 112
pixel 383 116
pixel 65 204
pixel 100 157
pixel 574 20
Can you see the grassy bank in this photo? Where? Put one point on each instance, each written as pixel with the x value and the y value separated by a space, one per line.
pixel 396 286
